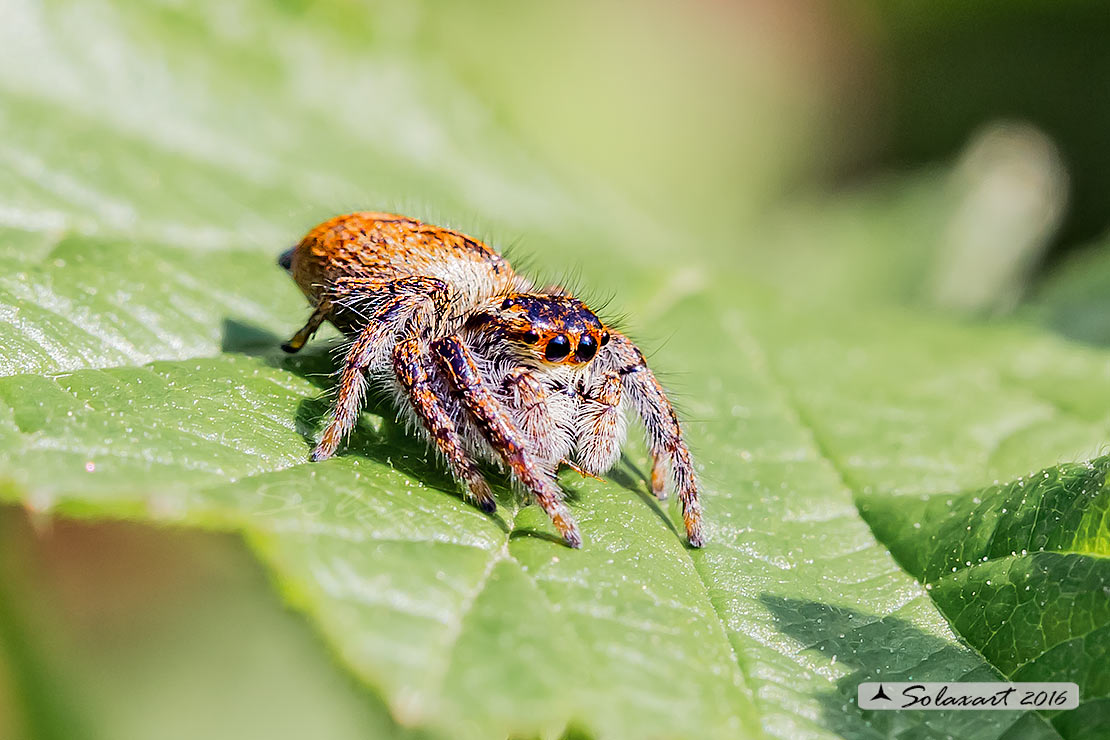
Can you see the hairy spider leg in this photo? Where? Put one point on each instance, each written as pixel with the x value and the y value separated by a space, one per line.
pixel 314 321
pixel 409 307
pixel 415 370
pixel 659 477
pixel 600 424
pixel 663 431
pixel 493 421
pixel 340 292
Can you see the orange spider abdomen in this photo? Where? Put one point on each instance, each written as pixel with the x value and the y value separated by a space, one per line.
pixel 384 247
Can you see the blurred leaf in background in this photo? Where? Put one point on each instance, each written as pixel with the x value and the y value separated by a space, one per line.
pixel 949 68
pixel 115 631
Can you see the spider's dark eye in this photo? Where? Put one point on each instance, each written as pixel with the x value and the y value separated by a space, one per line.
pixel 505 304
pixel 604 339
pixel 530 337
pixel 587 348
pixel 557 348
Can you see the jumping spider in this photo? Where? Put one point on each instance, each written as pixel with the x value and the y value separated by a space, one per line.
pixel 486 364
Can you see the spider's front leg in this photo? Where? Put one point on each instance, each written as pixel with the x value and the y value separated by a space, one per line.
pixel 664 433
pixel 415 371
pixel 496 426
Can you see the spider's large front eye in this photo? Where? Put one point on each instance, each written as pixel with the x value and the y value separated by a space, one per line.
pixel 558 347
pixel 587 348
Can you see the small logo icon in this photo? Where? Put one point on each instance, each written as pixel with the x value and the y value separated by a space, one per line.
pixel 880 694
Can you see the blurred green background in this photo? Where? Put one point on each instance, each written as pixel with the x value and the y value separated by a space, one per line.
pixel 946 154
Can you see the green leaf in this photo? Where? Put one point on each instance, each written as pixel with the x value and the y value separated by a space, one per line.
pixel 150 180
pixel 1073 300
pixel 1021 571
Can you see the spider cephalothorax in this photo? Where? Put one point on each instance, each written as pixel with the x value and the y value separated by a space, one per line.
pixel 541 330
pixel 479 360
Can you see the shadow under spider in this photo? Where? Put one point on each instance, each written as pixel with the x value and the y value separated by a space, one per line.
pixel 626 475
pixel 388 444
pixel 391 443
